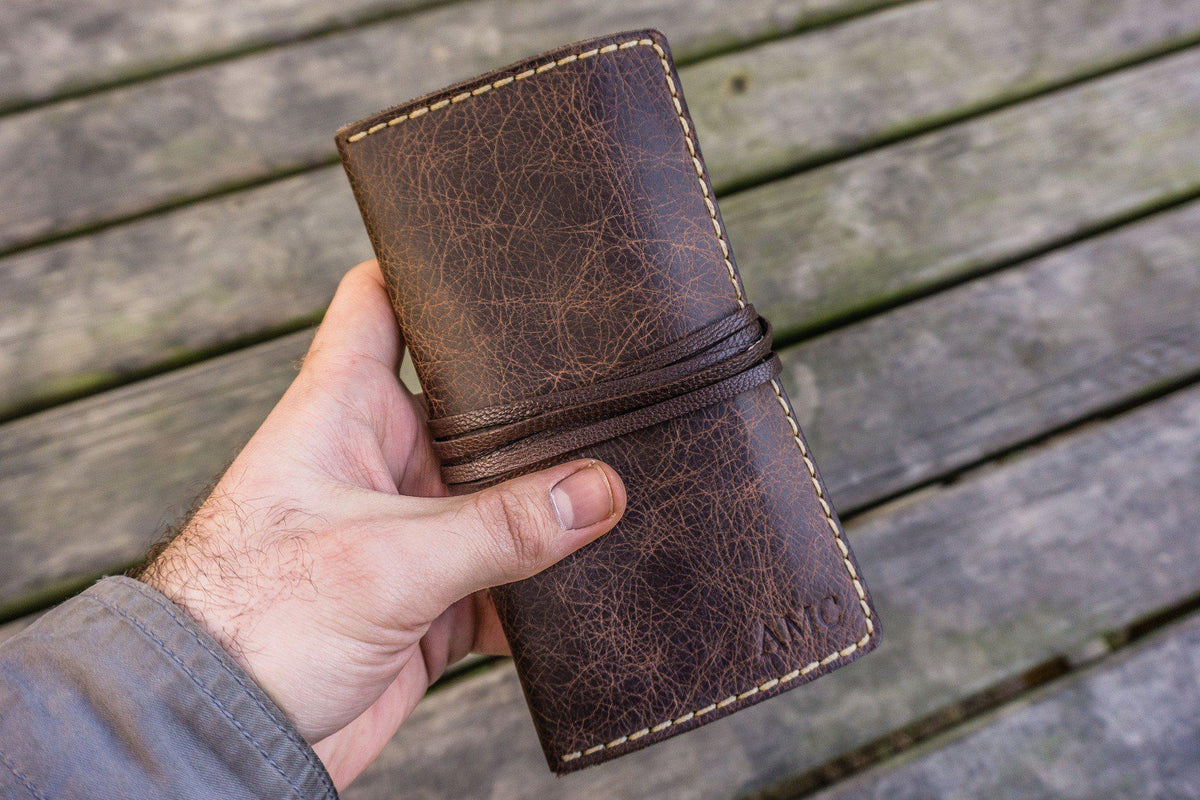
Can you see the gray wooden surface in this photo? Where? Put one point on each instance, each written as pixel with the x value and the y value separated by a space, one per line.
pixel 968 373
pixel 200 131
pixel 818 247
pixel 53 47
pixel 1089 739
pixel 975 227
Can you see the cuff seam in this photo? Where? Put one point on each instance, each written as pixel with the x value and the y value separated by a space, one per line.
pixel 162 645
pixel 252 689
pixel 12 768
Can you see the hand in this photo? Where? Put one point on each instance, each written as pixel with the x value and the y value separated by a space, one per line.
pixel 330 560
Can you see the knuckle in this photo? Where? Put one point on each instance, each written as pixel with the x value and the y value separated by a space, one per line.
pixel 515 525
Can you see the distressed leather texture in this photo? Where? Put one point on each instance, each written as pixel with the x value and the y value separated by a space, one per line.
pixel 540 235
pixel 697 372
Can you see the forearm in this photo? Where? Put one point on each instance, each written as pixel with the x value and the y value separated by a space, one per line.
pixel 117 693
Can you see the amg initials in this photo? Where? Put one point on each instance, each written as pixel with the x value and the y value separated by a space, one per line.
pixel 781 633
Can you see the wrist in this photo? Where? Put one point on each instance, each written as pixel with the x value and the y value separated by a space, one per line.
pixel 202 574
pixel 179 576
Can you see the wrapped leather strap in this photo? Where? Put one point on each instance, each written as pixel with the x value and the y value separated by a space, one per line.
pixel 713 363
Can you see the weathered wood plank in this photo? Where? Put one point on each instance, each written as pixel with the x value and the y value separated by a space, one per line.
pixel 975 583
pixel 110 464
pixel 96 310
pixel 1127 729
pixel 192 133
pixel 862 232
pixel 971 371
pixel 124 151
pixel 142 453
pixel 810 98
pixel 113 472
pixel 103 308
pixel 48 48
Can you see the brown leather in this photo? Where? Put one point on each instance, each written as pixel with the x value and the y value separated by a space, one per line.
pixel 698 350
pixel 476 451
pixel 550 243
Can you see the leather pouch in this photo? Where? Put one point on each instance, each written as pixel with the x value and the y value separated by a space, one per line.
pixel 561 274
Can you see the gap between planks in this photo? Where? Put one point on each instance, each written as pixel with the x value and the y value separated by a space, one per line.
pixel 137 364
pixel 960 731
pixel 861 464
pixel 1009 611
pixel 298 163
pixel 75 86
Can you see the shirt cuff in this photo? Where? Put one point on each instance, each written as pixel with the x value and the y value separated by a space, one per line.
pixel 118 692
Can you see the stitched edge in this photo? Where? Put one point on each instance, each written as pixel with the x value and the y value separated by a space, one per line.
pixel 12 768
pixel 741 300
pixel 162 645
pixel 239 677
pixel 808 463
pixel 487 87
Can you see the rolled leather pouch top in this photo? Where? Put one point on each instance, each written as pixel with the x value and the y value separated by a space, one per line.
pixel 561 275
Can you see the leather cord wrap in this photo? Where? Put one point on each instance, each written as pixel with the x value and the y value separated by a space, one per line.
pixel 720 360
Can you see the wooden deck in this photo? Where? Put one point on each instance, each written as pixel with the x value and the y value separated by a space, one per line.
pixel 975 228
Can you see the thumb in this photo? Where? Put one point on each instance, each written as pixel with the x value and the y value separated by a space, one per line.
pixel 517 528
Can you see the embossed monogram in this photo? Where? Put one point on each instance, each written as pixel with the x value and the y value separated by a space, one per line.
pixel 779 634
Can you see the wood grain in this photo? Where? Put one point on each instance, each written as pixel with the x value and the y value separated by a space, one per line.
pixel 974 370
pixel 88 485
pixel 127 150
pixel 48 47
pixel 865 232
pixel 1028 558
pixel 1127 729
pixel 98 310
pixel 105 308
pixel 1022 562
pixel 804 99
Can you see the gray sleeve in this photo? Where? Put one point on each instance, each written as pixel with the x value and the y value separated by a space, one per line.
pixel 118 693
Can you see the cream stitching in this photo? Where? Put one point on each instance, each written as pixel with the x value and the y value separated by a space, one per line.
pixel 725 255
pixel 487 87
